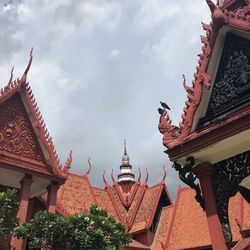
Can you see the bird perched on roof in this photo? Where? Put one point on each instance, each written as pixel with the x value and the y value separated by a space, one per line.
pixel 164 105
pixel 161 111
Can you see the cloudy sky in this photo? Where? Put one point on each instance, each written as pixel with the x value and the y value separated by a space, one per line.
pixel 100 69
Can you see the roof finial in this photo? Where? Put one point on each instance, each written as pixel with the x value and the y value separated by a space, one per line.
pixel 11 76
pixel 125 148
pixel 104 179
pixel 146 180
pixel 90 166
pixel 24 76
pixel 126 169
pixel 139 177
pixel 165 173
pixel 211 5
pixel 68 163
pixel 112 175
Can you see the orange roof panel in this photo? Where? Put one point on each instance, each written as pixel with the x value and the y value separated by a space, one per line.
pixel 104 201
pixel 146 208
pixel 75 195
pixel 163 227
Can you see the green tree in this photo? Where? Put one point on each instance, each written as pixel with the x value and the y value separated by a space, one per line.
pixel 92 230
pixel 8 221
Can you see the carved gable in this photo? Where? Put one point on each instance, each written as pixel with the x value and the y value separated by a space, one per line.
pixel 231 90
pixel 16 133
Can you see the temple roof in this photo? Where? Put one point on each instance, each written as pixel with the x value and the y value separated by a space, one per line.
pixel 77 195
pixel 25 141
pixel 163 228
pixel 230 16
pixel 188 212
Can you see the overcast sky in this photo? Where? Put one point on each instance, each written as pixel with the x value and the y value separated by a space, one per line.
pixel 100 69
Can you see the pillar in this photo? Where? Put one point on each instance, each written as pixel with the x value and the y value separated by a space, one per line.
pixel 204 172
pixel 52 194
pixel 22 213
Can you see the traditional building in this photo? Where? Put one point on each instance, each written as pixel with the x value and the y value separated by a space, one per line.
pixel 212 140
pixel 211 144
pixel 28 160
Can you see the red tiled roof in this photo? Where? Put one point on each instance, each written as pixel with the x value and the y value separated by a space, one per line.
pixel 135 204
pixel 144 214
pixel 188 214
pixel 121 210
pixel 245 220
pixel 25 140
pixel 137 245
pixel 103 200
pixel 163 228
pixel 75 195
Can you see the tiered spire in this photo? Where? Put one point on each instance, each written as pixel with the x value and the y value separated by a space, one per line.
pixel 126 174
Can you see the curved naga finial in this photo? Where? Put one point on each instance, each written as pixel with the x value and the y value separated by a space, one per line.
pixel 211 5
pixel 139 177
pixel 90 166
pixel 68 163
pixel 146 179
pixel 164 175
pixel 112 175
pixel 24 76
pixel 11 76
pixel 104 179
pixel 170 132
pixel 189 90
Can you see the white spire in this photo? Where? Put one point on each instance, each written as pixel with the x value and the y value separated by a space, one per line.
pixel 126 169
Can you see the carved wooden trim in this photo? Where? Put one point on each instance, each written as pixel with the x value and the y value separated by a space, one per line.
pixel 226 179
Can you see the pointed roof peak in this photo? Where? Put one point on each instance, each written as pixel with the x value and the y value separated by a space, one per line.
pixel 24 76
pixel 126 169
pixel 125 157
pixel 125 147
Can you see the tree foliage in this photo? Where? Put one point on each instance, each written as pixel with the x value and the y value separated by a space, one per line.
pixel 8 221
pixel 92 230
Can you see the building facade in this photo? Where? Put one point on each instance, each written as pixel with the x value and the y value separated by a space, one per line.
pixel 210 149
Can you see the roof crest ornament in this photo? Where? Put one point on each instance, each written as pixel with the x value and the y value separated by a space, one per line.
pixel 125 148
pixel 165 174
pixel 104 179
pixel 11 76
pixel 212 6
pixel 90 167
pixel 68 163
pixel 112 176
pixel 174 135
pixel 38 123
pixel 24 76
pixel 139 177
pixel 146 179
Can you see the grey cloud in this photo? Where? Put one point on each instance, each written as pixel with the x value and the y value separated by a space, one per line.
pixel 100 69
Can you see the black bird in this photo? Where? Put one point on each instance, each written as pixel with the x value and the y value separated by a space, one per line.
pixel 164 105
pixel 160 111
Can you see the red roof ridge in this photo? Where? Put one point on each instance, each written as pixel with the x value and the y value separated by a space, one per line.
pixel 172 135
pixel 22 86
pixel 144 187
pixel 122 219
pixel 68 163
pixel 174 215
pixel 150 220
